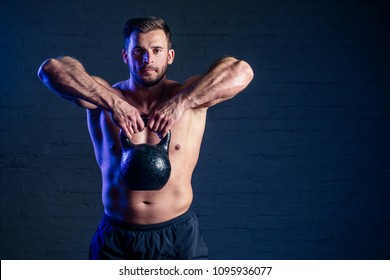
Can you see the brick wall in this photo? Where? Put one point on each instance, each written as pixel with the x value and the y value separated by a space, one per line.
pixel 296 167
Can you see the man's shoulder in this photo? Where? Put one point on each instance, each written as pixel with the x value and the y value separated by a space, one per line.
pixel 177 87
pixel 121 85
pixel 172 87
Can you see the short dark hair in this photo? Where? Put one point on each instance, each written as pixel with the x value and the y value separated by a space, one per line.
pixel 144 25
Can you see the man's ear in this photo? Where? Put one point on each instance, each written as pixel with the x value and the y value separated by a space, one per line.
pixel 125 57
pixel 171 56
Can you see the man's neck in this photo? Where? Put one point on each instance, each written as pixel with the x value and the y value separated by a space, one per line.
pixel 146 98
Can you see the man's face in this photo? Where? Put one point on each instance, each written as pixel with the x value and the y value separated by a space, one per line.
pixel 148 57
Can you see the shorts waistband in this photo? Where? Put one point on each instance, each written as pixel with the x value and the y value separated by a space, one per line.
pixel 149 227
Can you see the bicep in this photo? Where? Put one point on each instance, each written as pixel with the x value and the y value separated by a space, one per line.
pixel 95 132
pixel 80 102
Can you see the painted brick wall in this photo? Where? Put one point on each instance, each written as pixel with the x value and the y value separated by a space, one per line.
pixel 296 167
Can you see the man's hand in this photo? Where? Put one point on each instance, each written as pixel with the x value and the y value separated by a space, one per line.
pixel 165 116
pixel 128 118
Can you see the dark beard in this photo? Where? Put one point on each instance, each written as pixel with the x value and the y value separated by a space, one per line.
pixel 148 83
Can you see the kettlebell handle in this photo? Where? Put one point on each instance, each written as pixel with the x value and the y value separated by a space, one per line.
pixel 164 143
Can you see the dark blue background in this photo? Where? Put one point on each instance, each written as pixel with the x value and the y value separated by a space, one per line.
pixel 295 167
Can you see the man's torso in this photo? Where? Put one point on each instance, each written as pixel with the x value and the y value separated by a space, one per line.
pixel 147 207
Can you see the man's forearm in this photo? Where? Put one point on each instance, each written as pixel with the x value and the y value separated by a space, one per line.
pixel 223 80
pixel 68 78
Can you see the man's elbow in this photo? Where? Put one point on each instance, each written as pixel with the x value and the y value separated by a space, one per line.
pixel 45 69
pixel 247 71
pixel 244 73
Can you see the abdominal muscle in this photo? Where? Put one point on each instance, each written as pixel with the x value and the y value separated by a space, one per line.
pixel 146 207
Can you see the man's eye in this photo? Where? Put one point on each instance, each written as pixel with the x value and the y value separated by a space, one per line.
pixel 156 51
pixel 136 51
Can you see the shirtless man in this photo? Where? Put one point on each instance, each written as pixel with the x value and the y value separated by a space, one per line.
pixel 147 224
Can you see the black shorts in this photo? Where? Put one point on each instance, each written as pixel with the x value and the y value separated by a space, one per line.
pixel 178 238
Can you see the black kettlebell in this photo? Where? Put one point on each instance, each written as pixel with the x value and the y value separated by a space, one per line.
pixel 145 167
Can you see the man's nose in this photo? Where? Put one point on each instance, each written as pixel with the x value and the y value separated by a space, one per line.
pixel 148 57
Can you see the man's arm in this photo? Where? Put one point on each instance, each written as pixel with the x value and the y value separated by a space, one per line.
pixel 67 77
pixel 225 78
